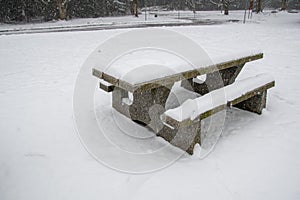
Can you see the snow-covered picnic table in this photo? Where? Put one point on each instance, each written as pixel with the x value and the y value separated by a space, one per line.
pixel 140 91
pixel 134 75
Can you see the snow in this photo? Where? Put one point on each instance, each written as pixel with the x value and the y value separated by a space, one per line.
pixel 127 101
pixel 143 65
pixel 191 109
pixel 146 65
pixel 41 156
pixel 164 17
pixel 103 82
pixel 81 24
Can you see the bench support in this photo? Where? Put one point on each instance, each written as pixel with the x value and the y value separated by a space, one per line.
pixel 254 104
pixel 184 137
pixel 214 80
pixel 143 101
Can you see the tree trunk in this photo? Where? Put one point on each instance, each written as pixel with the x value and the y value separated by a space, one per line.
pixel 62 8
pixel 226 6
pixel 283 5
pixel 135 8
pixel 194 6
pixel 258 6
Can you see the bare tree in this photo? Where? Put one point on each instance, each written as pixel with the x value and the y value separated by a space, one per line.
pixel 226 6
pixel 62 8
pixel 220 4
pixel 283 4
pixel 258 6
pixel 135 8
pixel 192 4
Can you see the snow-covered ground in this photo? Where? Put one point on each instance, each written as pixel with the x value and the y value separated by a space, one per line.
pixel 150 18
pixel 163 18
pixel 41 156
pixel 102 22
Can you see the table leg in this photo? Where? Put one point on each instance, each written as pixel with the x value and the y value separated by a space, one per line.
pixel 143 101
pixel 254 104
pixel 184 137
pixel 214 80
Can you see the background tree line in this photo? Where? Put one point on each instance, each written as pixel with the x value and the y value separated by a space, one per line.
pixel 45 10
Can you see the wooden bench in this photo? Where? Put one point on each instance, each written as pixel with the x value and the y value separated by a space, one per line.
pixel 184 122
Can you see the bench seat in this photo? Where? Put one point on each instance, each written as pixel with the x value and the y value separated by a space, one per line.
pixel 248 94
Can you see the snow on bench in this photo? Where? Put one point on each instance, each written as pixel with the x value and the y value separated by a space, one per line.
pixel 106 86
pixel 217 100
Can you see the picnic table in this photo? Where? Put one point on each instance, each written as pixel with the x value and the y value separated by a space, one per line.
pixel 141 94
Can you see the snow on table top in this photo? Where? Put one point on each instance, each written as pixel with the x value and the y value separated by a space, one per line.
pixel 148 64
pixel 193 108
